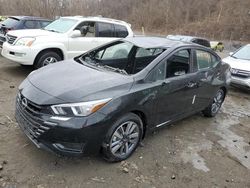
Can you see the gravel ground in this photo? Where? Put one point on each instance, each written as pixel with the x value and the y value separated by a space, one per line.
pixel 195 152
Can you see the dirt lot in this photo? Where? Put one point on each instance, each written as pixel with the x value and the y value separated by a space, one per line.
pixel 195 152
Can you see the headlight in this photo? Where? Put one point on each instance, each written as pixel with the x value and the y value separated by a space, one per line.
pixel 27 41
pixel 79 109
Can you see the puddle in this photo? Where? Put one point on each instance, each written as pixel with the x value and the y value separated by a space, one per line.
pixel 190 155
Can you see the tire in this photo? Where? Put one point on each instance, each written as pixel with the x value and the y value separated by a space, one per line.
pixel 119 146
pixel 215 105
pixel 47 57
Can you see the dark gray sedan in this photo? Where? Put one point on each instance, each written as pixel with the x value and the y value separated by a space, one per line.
pixel 106 100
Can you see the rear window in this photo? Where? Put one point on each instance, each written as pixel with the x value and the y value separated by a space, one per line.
pixel 105 30
pixel 120 31
pixel 11 22
pixel 202 42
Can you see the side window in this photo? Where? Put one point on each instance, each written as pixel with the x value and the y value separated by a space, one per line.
pixel 214 60
pixel 44 23
pixel 158 73
pixel 118 51
pixel 178 64
pixel 30 24
pixel 203 59
pixel 120 31
pixel 143 52
pixel 105 30
pixel 88 29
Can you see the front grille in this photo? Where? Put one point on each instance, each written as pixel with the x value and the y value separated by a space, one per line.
pixel 28 117
pixel 240 73
pixel 2 39
pixel 10 38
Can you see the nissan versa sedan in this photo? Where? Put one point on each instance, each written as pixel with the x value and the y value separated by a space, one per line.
pixel 106 100
pixel 240 67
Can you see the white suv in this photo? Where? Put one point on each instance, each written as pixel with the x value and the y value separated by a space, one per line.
pixel 64 38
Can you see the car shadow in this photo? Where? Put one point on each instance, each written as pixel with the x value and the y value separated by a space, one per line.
pixel 18 71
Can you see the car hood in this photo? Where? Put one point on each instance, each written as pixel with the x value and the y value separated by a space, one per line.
pixel 240 64
pixel 70 82
pixel 31 33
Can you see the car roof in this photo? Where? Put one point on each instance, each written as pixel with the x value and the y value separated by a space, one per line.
pixel 97 18
pixel 156 42
pixel 184 37
pixel 29 18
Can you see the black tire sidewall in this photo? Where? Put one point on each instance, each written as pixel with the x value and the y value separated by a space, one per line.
pixel 44 55
pixel 107 150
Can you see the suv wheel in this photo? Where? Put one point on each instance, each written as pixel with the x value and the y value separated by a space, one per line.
pixel 123 138
pixel 47 58
pixel 214 107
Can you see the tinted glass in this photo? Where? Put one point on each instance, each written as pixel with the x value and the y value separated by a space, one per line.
pixel 120 31
pixel 30 24
pixel 105 30
pixel 61 25
pixel 178 64
pixel 243 53
pixel 11 22
pixel 44 23
pixel 203 59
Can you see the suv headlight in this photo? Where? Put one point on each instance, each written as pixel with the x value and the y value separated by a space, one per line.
pixel 79 109
pixel 26 41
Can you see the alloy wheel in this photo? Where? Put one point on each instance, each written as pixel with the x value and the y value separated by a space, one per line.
pixel 124 139
pixel 217 101
pixel 49 60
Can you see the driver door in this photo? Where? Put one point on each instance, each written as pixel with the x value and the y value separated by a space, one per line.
pixel 83 43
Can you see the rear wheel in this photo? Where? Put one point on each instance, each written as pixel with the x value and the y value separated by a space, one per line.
pixel 123 138
pixel 47 58
pixel 214 107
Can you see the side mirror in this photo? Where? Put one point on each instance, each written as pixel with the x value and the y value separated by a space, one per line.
pixel 75 34
pixel 84 30
pixel 231 53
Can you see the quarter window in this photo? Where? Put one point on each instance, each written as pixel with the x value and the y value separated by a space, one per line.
pixel 178 64
pixel 120 31
pixel 203 59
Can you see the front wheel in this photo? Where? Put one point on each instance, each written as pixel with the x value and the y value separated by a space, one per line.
pixel 214 107
pixel 123 138
pixel 47 58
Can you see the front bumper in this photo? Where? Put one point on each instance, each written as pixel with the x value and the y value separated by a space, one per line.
pixel 75 136
pixel 20 54
pixel 243 82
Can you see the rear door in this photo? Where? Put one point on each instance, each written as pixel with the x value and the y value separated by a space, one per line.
pixel 176 93
pixel 207 66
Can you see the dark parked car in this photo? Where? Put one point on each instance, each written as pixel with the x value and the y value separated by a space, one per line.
pixel 196 40
pixel 107 99
pixel 21 22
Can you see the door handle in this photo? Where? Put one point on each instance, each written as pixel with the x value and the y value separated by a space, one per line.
pixel 164 84
pixel 191 84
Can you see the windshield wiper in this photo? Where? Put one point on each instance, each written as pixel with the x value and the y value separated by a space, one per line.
pixel 122 71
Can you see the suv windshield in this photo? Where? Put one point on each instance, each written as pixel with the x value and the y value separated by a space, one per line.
pixel 243 53
pixel 61 25
pixel 10 22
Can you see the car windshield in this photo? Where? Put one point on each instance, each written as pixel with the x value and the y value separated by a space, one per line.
pixel 61 25
pixel 243 53
pixel 122 57
pixel 10 22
